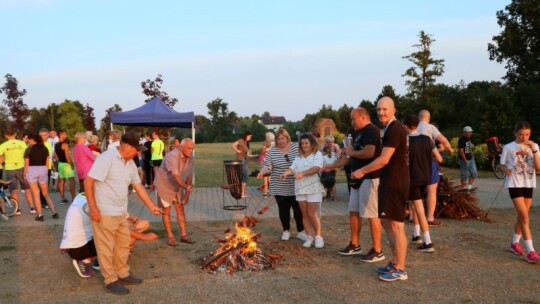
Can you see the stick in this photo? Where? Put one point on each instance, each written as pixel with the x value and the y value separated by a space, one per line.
pixel 487 212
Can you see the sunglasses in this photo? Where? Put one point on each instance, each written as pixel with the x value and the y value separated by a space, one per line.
pixel 287 157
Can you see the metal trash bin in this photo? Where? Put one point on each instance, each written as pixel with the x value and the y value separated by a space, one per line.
pixel 232 169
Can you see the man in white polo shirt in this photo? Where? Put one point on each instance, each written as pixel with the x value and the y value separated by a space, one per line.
pixel 107 193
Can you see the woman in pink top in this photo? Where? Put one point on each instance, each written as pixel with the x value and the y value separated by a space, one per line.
pixel 83 157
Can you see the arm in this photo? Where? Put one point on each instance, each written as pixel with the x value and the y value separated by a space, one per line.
pixel 66 151
pixel 377 164
pixel 89 153
pixel 444 141
pixel 235 147
pixel 367 152
pixel 461 153
pixel 188 191
pixel 308 172
pixel 141 192
pixel 89 183
pixel 26 165
pixel 437 155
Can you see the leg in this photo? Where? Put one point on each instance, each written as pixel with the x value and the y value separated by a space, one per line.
pixel 121 248
pixel 34 191
pixel 431 201
pixel 284 212
pixel 376 233
pixel 104 238
pixel 30 198
pixel 420 215
pixel 306 220
pixel 166 218
pixel 312 208
pixel 297 213
pixel 181 218
pixel 522 207
pixel 72 187
pixel 61 185
pixel 396 232
pixel 355 223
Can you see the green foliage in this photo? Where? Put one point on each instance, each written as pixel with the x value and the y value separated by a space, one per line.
pixel 152 88
pixel 18 110
pixel 70 120
pixel 220 126
pixel 338 137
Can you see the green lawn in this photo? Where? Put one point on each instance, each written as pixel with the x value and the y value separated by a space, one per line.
pixel 209 165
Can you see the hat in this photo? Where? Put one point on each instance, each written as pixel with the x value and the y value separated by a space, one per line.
pixel 132 139
pixel 467 129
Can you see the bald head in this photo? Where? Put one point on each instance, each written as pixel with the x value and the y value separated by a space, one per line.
pixel 424 115
pixel 386 110
pixel 360 118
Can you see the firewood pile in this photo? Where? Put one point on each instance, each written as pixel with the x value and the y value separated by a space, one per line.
pixel 239 251
pixel 457 203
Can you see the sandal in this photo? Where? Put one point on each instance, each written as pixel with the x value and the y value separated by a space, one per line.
pixel 172 242
pixel 186 239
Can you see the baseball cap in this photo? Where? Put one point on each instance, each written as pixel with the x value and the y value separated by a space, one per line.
pixel 132 138
pixel 467 129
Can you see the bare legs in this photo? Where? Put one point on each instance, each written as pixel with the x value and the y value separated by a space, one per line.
pixel 310 218
pixel 395 232
pixel 35 195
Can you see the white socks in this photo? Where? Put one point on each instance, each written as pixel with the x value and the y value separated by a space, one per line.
pixel 516 238
pixel 416 230
pixel 426 237
pixel 528 245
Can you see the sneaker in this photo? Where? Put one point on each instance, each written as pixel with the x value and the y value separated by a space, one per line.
pixel 416 240
pixel 372 256
pixel 39 218
pixel 516 249
pixel 308 242
pixel 532 257
pixel 429 248
pixel 95 265
pixel 302 235
pixel 83 269
pixel 386 269
pixel 286 235
pixel 266 195
pixel 319 242
pixel 32 211
pixel 435 222
pixel 45 206
pixel 4 217
pixel 65 202
pixel 18 212
pixel 351 249
pixel 130 280
pixel 55 216
pixel 117 288
pixel 394 275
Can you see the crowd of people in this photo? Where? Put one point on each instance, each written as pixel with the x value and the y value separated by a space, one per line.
pixel 389 172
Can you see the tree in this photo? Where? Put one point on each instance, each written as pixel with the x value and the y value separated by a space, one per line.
pixel 4 115
pixel 18 110
pixel 152 88
pixel 344 121
pixel 105 122
pixel 519 46
pixel 372 110
pixel 70 120
pixel 38 119
pixel 89 122
pixel 220 119
pixel 425 69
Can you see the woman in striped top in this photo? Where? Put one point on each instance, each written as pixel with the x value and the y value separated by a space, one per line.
pixel 278 159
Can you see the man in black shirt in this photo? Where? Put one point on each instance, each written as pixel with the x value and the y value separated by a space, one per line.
pixel 366 146
pixel 147 161
pixel 466 159
pixel 393 188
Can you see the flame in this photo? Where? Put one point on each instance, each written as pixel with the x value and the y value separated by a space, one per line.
pixel 243 235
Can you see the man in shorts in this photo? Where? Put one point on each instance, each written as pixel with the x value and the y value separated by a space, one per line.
pixel 107 193
pixel 65 167
pixel 393 187
pixel 365 147
pixel 12 152
pixel 466 159
pixel 173 184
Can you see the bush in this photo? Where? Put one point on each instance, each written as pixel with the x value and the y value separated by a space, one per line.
pixel 338 137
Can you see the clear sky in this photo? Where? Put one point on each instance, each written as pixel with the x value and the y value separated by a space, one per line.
pixel 285 57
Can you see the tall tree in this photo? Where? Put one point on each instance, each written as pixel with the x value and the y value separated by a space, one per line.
pixel 18 110
pixel 70 120
pixel 152 88
pixel 220 118
pixel 105 122
pixel 89 121
pixel 425 68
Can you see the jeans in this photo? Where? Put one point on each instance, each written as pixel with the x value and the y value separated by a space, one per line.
pixel 467 169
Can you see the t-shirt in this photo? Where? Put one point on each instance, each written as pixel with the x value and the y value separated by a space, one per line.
pixel 13 152
pixel 83 158
pixel 396 173
pixel 243 148
pixel 78 225
pixel 113 175
pixel 428 129
pixel 420 151
pixel 310 184
pixel 158 146
pixel 148 153
pixel 37 155
pixel 113 145
pixel 174 163
pixel 279 162
pixel 369 135
pixel 522 166
pixel 466 144
pixel 49 147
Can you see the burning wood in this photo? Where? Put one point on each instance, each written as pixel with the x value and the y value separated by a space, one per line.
pixel 239 252
pixel 455 202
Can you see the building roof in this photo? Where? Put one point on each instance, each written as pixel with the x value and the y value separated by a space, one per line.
pixel 273 120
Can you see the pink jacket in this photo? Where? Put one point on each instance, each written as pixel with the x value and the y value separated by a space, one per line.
pixel 84 159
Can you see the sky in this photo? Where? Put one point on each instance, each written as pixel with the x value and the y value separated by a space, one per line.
pixel 285 57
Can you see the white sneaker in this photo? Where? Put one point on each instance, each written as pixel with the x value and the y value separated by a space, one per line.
pixel 308 242
pixel 469 187
pixel 319 242
pixel 286 235
pixel 302 235
pixel 4 217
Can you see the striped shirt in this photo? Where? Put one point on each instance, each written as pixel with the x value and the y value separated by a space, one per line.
pixel 279 162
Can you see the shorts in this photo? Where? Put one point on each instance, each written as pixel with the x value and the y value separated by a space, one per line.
pixel 392 203
pixel 364 200
pixel 310 198
pixel 37 174
pixel 468 169
pixel 17 179
pixel 86 251
pixel 434 172
pixel 520 192
pixel 157 162
pixel 65 170
pixel 166 204
pixel 416 192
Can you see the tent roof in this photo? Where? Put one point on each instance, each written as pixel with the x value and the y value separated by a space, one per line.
pixel 153 114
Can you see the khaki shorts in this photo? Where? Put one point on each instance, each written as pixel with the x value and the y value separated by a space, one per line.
pixel 166 204
pixel 364 200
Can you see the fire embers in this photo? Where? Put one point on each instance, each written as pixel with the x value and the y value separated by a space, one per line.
pixel 239 252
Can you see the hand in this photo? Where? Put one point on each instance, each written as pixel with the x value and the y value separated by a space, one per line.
pixel 349 150
pixel 299 176
pixel 529 143
pixel 157 211
pixel 509 172
pixel 186 201
pixel 357 174
pixel 189 189
pixel 260 175
pixel 451 151
pixel 95 215
pixel 152 188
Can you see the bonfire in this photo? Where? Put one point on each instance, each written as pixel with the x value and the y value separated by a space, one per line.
pixel 457 203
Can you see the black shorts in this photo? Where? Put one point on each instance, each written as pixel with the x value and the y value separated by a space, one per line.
pixel 392 203
pixel 157 163
pixel 86 251
pixel 520 192
pixel 416 192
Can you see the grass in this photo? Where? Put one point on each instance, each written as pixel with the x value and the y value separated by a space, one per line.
pixel 209 159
